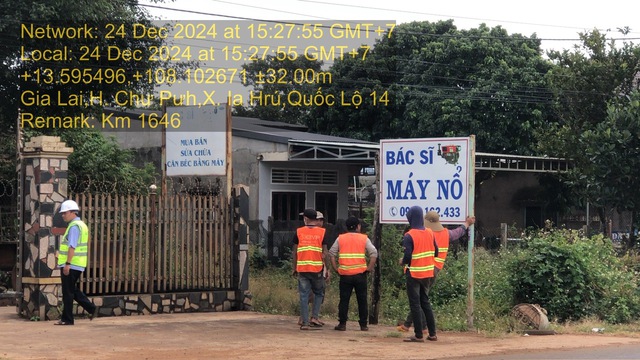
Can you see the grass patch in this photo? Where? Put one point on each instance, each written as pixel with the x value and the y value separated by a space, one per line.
pixel 544 270
pixel 275 291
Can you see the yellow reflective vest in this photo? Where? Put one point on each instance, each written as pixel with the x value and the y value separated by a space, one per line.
pixel 81 251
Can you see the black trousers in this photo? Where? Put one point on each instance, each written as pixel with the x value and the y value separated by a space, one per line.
pixel 70 292
pixel 348 283
pixel 418 294
pixel 409 321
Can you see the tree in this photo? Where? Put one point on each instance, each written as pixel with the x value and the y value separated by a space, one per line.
pixel 441 81
pixel 607 172
pixel 277 80
pixel 593 74
pixel 23 47
pixel 98 164
pixel 94 60
pixel 595 88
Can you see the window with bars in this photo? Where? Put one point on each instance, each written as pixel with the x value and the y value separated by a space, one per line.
pixel 327 204
pixel 299 176
pixel 286 206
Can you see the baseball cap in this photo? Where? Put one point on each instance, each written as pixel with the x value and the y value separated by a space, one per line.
pixel 310 213
pixel 319 215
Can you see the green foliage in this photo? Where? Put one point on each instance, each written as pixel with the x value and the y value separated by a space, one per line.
pixel 390 254
pixel 274 77
pixel 613 149
pixel 274 291
pixel 8 156
pixel 59 13
pixel 441 81
pixel 101 160
pixel 574 277
pixel 492 291
pixel 5 280
pixel 393 298
pixel 69 14
pixel 596 101
pixel 257 258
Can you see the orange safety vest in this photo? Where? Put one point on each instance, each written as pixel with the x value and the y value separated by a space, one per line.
pixel 423 256
pixel 442 240
pixel 351 260
pixel 309 254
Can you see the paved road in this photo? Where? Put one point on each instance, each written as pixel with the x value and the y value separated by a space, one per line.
pixel 619 352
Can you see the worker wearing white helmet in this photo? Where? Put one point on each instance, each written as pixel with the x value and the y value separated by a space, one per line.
pixel 72 260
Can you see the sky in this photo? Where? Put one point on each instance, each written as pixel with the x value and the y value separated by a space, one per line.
pixel 557 22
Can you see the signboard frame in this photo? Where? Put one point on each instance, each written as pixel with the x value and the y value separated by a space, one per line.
pixel 426 172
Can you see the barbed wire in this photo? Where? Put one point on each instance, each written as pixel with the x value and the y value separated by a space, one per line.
pixel 99 184
pixel 8 187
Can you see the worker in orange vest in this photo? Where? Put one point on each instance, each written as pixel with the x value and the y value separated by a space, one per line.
pixel 309 253
pixel 443 238
pixel 351 249
pixel 316 322
pixel 420 250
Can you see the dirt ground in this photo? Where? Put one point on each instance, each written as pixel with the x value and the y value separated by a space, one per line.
pixel 249 335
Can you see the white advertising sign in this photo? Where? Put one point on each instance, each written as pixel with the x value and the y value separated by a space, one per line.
pixel 431 173
pixel 199 145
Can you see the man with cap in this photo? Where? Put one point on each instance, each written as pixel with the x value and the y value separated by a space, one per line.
pixel 316 321
pixel 72 260
pixel 443 238
pixel 309 252
pixel 350 249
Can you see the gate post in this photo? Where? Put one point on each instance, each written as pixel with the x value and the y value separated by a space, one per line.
pixel 241 238
pixel 45 161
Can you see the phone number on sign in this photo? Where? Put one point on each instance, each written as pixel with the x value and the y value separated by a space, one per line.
pixel 445 212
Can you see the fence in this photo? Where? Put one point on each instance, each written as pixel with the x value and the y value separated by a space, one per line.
pixel 151 243
pixel 8 211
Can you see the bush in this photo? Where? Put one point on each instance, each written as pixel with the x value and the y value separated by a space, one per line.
pixel 574 277
pixel 493 295
pixel 493 292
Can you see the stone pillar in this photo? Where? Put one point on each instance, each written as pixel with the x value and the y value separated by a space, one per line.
pixel 45 160
pixel 241 233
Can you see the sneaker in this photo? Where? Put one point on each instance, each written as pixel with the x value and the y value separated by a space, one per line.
pixel 364 328
pixel 402 328
pixel 341 327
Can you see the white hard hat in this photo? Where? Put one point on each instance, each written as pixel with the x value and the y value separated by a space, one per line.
pixel 69 205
